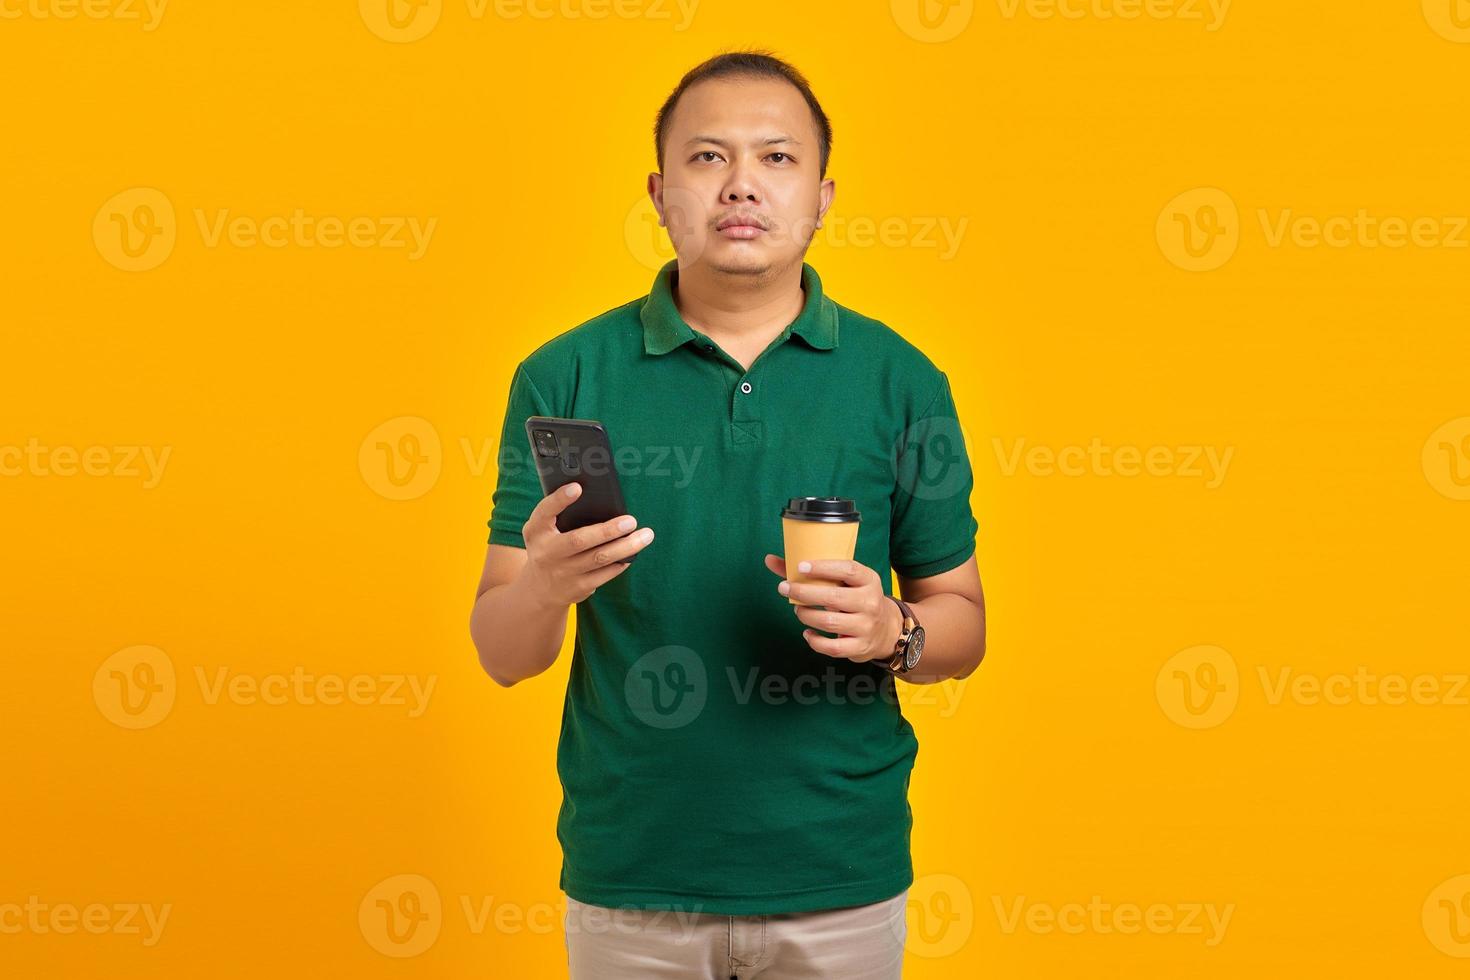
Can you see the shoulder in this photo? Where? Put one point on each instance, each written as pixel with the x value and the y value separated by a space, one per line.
pixel 894 358
pixel 563 354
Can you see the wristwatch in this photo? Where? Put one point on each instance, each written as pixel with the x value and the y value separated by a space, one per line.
pixel 910 645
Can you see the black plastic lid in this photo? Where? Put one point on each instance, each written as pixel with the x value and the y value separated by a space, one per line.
pixel 830 510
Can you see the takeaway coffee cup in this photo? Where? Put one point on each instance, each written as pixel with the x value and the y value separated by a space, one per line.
pixel 817 527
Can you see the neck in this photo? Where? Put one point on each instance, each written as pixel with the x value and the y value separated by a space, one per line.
pixel 737 308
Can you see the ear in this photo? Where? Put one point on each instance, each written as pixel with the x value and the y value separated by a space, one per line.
pixel 656 194
pixel 825 195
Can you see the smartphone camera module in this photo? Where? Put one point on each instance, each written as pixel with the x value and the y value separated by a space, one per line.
pixel 546 443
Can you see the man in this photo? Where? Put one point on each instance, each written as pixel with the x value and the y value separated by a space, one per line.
pixel 730 770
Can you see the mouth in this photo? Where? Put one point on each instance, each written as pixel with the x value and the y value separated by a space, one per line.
pixel 740 228
pixel 741 231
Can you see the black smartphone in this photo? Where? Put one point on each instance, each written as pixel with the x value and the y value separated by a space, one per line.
pixel 577 451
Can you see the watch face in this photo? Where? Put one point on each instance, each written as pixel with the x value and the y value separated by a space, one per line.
pixel 915 648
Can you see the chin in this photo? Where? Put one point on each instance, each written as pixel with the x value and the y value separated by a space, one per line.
pixel 739 265
pixel 733 263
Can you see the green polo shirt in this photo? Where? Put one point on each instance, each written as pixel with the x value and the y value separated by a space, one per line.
pixel 709 759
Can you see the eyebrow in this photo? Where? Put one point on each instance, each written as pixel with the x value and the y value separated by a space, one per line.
pixel 766 142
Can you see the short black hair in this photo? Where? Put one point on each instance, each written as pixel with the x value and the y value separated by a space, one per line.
pixel 744 64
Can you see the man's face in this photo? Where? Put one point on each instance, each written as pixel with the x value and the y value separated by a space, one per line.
pixel 741 151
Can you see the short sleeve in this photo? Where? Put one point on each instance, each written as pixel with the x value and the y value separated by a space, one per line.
pixel 933 528
pixel 517 488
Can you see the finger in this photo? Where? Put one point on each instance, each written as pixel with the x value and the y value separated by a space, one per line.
pixel 543 517
pixel 832 621
pixel 776 564
pixel 614 551
pixel 592 580
pixel 842 648
pixel 841 570
pixel 581 539
pixel 837 597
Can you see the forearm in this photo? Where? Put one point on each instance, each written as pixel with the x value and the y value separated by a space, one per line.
pixel 954 637
pixel 517 633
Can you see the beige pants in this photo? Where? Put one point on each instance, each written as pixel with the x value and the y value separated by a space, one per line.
pixel 864 942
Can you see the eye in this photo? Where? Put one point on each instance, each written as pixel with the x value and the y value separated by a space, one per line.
pixel 784 156
pixel 705 153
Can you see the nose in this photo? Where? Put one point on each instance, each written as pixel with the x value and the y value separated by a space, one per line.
pixel 740 187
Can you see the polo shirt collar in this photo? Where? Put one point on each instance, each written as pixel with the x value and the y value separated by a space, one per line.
pixel 664 329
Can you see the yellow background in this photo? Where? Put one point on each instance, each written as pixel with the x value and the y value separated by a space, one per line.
pixel 1059 772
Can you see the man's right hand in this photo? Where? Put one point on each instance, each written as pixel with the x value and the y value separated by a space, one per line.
pixel 565 567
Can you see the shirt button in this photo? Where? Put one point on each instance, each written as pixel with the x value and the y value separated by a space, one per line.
pixel 709 346
pixel 745 387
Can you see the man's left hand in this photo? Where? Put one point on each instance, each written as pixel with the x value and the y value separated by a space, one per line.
pixel 853 605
